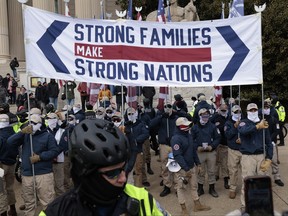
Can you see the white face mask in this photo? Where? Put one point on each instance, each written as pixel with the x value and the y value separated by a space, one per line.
pixel 253 116
pixel 36 127
pixel 52 123
pixel 109 115
pixel 73 122
pixel 100 116
pixel 132 117
pixel 266 111
pixel 168 110
pixel 224 114
pixel 4 124
pixel 204 119
pixel 69 83
pixel 117 124
pixel 236 116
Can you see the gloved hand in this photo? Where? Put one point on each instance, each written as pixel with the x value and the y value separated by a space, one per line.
pixel 265 165
pixel 236 124
pixel 209 148
pixel 238 141
pixel 27 130
pixel 199 169
pixel 59 114
pixel 200 149
pixel 35 158
pixel 262 124
pixel 165 115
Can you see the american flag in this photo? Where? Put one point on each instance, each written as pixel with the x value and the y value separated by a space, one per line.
pixel 218 95
pixel 161 12
pixel 132 97
pixel 139 17
pixel 163 96
pixel 94 92
pixel 236 9
pixel 67 11
pixel 129 12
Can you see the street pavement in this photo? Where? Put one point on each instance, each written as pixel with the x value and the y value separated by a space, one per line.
pixel 220 206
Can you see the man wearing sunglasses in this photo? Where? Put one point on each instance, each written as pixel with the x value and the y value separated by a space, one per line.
pixel 99 153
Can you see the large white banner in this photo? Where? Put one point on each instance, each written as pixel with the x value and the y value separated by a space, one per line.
pixel 184 54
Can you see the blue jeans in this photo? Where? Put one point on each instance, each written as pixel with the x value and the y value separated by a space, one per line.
pixel 54 101
pixel 15 73
pixel 70 102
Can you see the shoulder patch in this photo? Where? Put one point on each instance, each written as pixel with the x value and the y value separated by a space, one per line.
pixel 176 147
pixel 218 131
pixel 242 124
pixel 66 138
pixel 217 123
pixel 225 128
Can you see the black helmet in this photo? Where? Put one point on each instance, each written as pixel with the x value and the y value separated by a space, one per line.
pixel 49 108
pixel 97 143
pixel 4 108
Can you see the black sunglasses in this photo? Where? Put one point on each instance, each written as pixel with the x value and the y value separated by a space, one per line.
pixel 109 111
pixel 168 106
pixel 130 113
pixel 113 174
pixel 34 123
pixel 116 119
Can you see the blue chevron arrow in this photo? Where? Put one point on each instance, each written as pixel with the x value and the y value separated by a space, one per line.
pixel 45 44
pixel 240 49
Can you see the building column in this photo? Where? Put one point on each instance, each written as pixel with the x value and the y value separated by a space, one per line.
pixel 96 8
pixel 4 32
pixel 16 35
pixel 83 9
pixel 47 5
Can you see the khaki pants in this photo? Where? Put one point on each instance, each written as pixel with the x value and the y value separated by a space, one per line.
pixel 44 188
pixel 222 161
pixel 138 170
pixel 9 183
pixel 181 187
pixel 146 159
pixel 250 167
pixel 234 163
pixel 166 175
pixel 3 197
pixel 275 167
pixel 58 170
pixel 208 161
pixel 67 176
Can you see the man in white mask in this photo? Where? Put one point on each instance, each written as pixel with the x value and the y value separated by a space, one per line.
pixel 100 113
pixel 44 150
pixel 254 160
pixel 219 119
pixel 233 142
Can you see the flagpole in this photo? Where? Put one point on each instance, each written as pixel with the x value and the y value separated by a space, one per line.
pixel 29 117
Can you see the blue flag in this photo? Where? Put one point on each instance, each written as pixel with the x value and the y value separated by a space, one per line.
pixel 237 9
pixel 161 12
pixel 129 13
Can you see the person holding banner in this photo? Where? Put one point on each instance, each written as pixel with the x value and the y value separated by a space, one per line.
pixel 255 161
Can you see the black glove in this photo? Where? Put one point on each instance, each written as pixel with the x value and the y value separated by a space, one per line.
pixel 165 115
pixel 127 130
pixel 127 123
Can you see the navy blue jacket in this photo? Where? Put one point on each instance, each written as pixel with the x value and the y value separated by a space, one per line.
pixel 207 133
pixel 219 122
pixel 5 158
pixel 64 140
pixel 252 139
pixel 160 124
pixel 231 134
pixel 184 150
pixel 44 145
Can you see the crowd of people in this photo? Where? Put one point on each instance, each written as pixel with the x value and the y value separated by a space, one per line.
pixel 83 156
